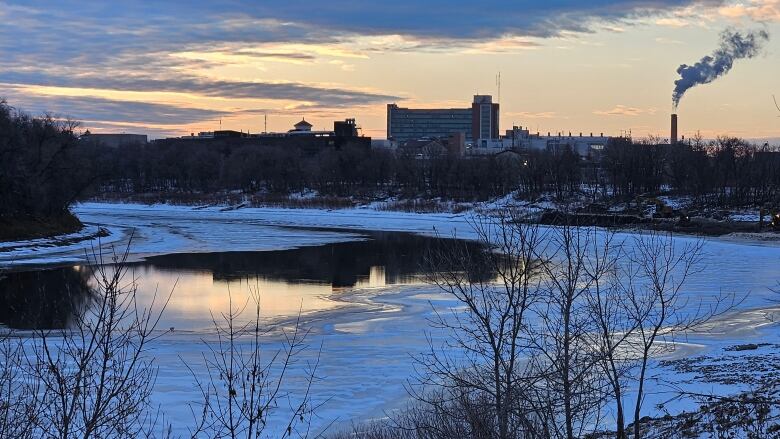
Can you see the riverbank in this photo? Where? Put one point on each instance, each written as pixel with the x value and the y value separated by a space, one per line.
pixel 30 227
pixel 165 228
pixel 298 200
pixel 698 226
pixel 676 214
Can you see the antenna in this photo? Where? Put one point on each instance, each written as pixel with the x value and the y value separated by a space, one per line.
pixel 498 83
pixel 265 122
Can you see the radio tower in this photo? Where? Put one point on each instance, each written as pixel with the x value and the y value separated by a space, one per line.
pixel 498 83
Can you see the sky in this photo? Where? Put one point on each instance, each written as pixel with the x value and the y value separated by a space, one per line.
pixel 178 67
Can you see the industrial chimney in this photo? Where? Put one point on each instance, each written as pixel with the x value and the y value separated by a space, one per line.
pixel 673 138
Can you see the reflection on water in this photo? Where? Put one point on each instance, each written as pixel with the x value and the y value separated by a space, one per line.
pixel 306 279
pixel 45 299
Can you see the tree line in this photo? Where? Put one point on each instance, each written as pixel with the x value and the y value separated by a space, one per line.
pixel 725 171
pixel 349 171
pixel 44 168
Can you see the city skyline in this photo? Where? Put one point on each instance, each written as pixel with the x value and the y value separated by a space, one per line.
pixel 605 66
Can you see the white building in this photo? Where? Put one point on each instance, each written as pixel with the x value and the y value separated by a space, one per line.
pixel 521 139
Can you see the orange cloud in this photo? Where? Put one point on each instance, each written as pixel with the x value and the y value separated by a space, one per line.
pixel 758 10
pixel 672 22
pixel 623 110
pixel 530 115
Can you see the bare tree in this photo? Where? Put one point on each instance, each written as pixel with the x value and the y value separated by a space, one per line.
pixel 567 335
pixel 17 403
pixel 652 282
pixel 94 379
pixel 242 390
pixel 542 337
pixel 612 327
pixel 497 288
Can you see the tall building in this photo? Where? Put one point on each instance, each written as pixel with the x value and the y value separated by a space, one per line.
pixel 478 122
pixel 484 119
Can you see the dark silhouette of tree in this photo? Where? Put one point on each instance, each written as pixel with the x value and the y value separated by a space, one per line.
pixel 43 166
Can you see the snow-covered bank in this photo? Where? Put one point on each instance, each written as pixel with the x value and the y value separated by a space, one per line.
pixel 162 229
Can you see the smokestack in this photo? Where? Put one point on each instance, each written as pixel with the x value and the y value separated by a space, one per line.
pixel 673 138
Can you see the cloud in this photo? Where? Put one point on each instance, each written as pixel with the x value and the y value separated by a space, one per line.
pixel 146 35
pixel 76 30
pixel 664 40
pixel 148 117
pixel 460 19
pixel 93 109
pixel 122 127
pixel 623 110
pixel 278 55
pixel 317 95
pixel 757 10
pixel 531 115
pixel 672 22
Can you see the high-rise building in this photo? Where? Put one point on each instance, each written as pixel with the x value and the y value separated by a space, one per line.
pixel 478 122
pixel 484 118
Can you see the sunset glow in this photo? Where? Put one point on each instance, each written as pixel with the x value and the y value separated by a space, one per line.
pixel 603 66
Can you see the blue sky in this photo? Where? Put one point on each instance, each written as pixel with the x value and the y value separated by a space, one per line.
pixel 170 68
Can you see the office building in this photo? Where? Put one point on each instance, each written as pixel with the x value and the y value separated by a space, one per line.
pixel 484 125
pixel 478 122
pixel 404 124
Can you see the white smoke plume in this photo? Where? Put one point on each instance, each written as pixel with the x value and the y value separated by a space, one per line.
pixel 733 46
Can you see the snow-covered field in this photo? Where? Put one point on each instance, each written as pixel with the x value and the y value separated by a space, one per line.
pixel 367 343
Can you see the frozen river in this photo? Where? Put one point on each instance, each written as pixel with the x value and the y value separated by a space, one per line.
pixel 359 290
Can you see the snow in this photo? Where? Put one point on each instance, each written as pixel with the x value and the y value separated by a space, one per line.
pixel 676 202
pixel 367 343
pixel 751 216
pixel 162 229
pixel 307 194
pixel 59 249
